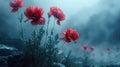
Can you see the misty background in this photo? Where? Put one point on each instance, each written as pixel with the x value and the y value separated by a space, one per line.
pixel 97 21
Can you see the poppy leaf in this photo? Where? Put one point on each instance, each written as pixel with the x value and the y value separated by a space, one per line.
pixel 56 37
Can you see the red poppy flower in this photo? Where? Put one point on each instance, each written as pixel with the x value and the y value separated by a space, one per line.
pixel 108 49
pixel 16 4
pixel 70 35
pixel 41 21
pixel 85 47
pixel 35 15
pixel 92 48
pixel 57 13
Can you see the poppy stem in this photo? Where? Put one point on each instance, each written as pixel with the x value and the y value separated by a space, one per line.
pixel 22 35
pixel 47 26
pixel 62 45
pixel 47 29
pixel 18 14
pixel 53 28
pixel 20 20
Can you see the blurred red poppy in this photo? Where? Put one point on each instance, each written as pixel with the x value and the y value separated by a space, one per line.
pixel 57 13
pixel 108 49
pixel 85 47
pixel 35 14
pixel 16 4
pixel 92 48
pixel 70 35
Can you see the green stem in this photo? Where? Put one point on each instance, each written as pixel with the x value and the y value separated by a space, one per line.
pixel 20 20
pixel 53 28
pixel 62 45
pixel 47 30
pixel 22 35
pixel 47 26
pixel 18 14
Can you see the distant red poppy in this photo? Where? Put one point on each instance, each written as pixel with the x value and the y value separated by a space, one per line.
pixel 70 35
pixel 57 13
pixel 108 49
pixel 85 47
pixel 35 14
pixel 92 48
pixel 16 4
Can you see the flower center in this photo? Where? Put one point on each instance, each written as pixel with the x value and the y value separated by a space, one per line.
pixel 16 6
pixel 33 14
pixel 71 35
pixel 57 15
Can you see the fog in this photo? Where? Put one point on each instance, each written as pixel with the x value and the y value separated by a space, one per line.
pixel 97 21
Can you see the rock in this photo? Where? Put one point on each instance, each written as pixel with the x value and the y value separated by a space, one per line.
pixel 6 50
pixel 58 65
pixel 8 55
pixel 3 62
pixel 15 60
